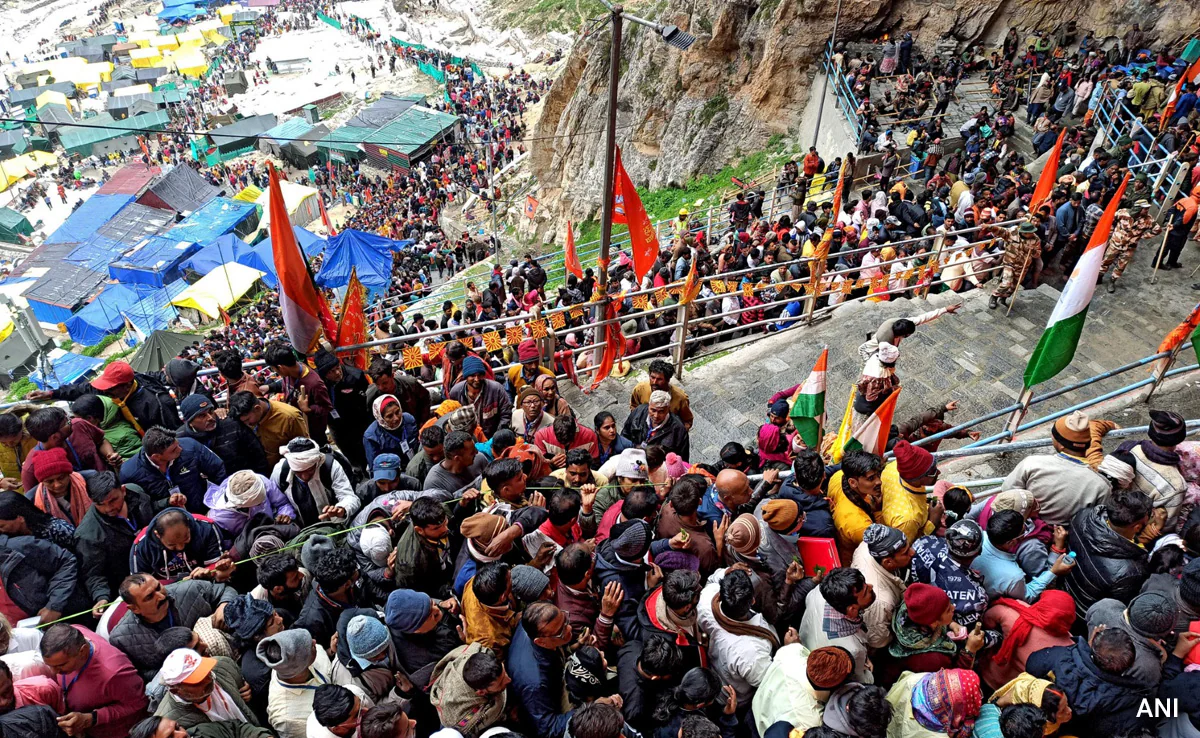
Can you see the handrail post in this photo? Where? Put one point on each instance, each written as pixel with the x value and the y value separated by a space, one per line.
pixel 681 327
pixel 1014 420
pixel 814 282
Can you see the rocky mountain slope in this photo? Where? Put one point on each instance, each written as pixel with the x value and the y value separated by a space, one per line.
pixel 750 74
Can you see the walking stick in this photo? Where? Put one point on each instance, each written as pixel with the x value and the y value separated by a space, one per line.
pixel 1162 252
pixel 1020 279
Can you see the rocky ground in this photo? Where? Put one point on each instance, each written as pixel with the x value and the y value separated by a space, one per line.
pixel 977 357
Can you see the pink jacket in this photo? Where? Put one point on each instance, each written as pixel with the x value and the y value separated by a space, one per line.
pixel 108 684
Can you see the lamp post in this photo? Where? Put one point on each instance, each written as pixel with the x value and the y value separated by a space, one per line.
pixel 673 36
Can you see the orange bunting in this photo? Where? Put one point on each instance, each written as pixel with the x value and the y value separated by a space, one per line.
pixel 747 290
pixel 576 313
pixel 435 349
pixel 537 328
pixel 412 358
pixel 641 302
pixel 492 341
pixel 718 286
pixel 660 296
pixel 513 335
pixel 468 343
pixel 558 321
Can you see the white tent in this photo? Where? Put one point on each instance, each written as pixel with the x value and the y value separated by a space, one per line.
pixel 302 204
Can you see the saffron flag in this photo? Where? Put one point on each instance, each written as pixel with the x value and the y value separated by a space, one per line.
pixel 1049 175
pixel 691 287
pixel 872 434
pixel 571 260
pixel 627 209
pixel 1181 332
pixel 808 404
pixel 822 252
pixel 1189 77
pixel 1056 347
pixel 352 329
pixel 325 216
pixel 614 343
pixel 844 430
pixel 305 313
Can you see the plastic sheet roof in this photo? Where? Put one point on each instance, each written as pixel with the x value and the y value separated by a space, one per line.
pixel 223 250
pixel 67 367
pixel 132 179
pixel 346 138
pixel 182 190
pixel 102 315
pixel 155 254
pixel 357 250
pixel 66 285
pixel 135 222
pixel 235 134
pixel 289 129
pixel 96 252
pixel 385 110
pixel 108 128
pixel 216 217
pixel 155 311
pixel 415 128
pixel 93 213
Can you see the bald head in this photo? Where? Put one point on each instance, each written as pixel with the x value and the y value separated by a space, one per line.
pixel 733 487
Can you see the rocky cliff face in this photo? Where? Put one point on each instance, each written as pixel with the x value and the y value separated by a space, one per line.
pixel 750 74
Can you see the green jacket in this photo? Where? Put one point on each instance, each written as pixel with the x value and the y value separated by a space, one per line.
pixel 229 678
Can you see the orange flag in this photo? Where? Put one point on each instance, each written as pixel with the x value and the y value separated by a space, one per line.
pixel 614 343
pixel 325 217
pixel 572 259
pixel 305 312
pixel 1049 175
pixel 691 285
pixel 353 327
pixel 823 246
pixel 627 209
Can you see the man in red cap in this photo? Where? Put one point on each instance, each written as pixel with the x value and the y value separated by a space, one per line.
pixel 142 399
pixel 905 506
pixel 530 367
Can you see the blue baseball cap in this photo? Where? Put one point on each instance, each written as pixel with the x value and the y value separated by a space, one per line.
pixel 386 466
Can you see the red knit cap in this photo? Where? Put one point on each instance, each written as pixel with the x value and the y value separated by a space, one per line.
pixel 925 603
pixel 913 462
pixel 50 463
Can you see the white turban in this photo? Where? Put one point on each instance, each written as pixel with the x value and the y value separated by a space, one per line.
pixel 888 353
pixel 245 489
pixel 376 544
pixel 1116 469
pixel 299 461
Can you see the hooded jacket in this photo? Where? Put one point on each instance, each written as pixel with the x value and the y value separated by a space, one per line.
pixel 150 556
pixel 631 577
pixel 104 543
pixel 1106 564
pixel 37 574
pixel 1102 703
pixel 672 436
pixel 234 442
pixel 151 403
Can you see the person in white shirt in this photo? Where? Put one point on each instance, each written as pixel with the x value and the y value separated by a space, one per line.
pixel 740 641
pixel 298 666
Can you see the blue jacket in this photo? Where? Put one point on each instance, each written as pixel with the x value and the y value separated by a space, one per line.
pixel 818 520
pixel 1102 703
pixel 191 473
pixel 1004 577
pixel 402 441
pixel 150 556
pixel 533 669
pixel 1069 220
pixel 631 577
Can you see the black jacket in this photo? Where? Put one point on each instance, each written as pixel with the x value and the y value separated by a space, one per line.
pixel 151 404
pixel 1101 703
pixel 1106 565
pixel 38 573
pixel 672 436
pixel 352 413
pixel 104 542
pixel 190 601
pixel 235 443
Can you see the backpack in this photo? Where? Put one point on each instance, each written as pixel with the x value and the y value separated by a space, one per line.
pixel 326 470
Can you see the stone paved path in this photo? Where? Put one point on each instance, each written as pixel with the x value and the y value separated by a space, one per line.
pixel 977 357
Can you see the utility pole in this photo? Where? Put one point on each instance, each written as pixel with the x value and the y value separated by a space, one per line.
pixel 617 13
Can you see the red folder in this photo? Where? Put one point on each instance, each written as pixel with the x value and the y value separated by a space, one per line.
pixel 818 554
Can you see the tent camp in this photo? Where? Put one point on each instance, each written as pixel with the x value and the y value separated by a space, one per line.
pixel 310 243
pixel 26 165
pixel 135 222
pixel 249 194
pixel 61 291
pixel 13 143
pixel 153 261
pixel 66 367
pixel 218 290
pixel 235 82
pixel 221 250
pixel 93 213
pixel 240 134
pixel 371 255
pixel 182 190
pixel 159 348
pixel 301 202
pixel 274 138
pixel 216 217
pixel 13 226
pixel 302 152
pixel 103 315
pixel 417 129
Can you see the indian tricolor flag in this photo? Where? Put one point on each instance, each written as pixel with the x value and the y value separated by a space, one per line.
pixel 1190 76
pixel 808 404
pixel 870 435
pixel 1056 348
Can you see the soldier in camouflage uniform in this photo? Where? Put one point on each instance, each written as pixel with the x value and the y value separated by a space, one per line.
pixel 1130 226
pixel 1019 254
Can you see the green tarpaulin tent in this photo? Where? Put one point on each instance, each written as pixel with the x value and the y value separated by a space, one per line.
pixel 13 225
pixel 159 348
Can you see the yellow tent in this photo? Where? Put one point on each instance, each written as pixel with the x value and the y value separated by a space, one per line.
pixel 190 63
pixel 145 58
pixel 219 289
pixel 43 158
pixel 142 38
pixel 19 167
pixel 191 39
pixel 144 88
pixel 53 96
pixel 250 194
pixel 226 12
pixel 165 42
pixel 300 201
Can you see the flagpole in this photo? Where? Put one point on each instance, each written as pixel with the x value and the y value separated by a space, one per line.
pixel 1014 420
pixel 1159 255
pixel 1160 371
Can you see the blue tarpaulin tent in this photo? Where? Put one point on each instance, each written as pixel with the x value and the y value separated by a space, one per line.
pixel 371 255
pixel 221 250
pixel 180 13
pixel 93 213
pixel 154 261
pixel 96 252
pixel 155 312
pixel 216 217
pixel 310 243
pixel 371 240
pixel 261 257
pixel 66 369
pixel 103 315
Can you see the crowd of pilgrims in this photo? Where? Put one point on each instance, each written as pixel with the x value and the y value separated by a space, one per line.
pixel 316 550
